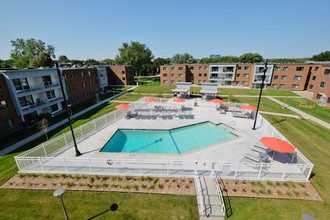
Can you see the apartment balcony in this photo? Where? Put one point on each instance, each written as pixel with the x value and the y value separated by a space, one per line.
pixel 38 104
pixel 30 89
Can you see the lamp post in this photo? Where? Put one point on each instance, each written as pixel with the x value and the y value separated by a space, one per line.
pixel 262 86
pixel 59 193
pixel 66 107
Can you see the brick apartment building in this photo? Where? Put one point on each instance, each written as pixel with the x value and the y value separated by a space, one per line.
pixel 120 75
pixel 313 77
pixel 81 83
pixel 27 94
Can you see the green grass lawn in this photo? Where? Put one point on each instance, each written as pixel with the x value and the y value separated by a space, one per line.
pixel 320 112
pixel 41 204
pixel 313 141
pixel 265 104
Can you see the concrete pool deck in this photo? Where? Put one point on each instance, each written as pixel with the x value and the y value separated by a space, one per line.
pixel 229 151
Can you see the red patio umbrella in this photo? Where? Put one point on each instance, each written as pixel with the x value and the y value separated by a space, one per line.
pixel 217 101
pixel 150 99
pixel 278 145
pixel 248 107
pixel 179 100
pixel 123 106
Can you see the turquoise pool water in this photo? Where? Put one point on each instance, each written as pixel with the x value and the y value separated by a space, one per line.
pixel 174 141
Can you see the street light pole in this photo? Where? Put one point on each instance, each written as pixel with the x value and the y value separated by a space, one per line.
pixel 66 108
pixel 59 193
pixel 262 86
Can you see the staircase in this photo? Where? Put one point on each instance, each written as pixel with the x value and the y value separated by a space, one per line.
pixel 210 204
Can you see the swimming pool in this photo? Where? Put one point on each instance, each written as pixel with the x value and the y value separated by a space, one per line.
pixel 174 141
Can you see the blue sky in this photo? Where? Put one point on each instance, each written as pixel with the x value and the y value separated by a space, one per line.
pixel 82 29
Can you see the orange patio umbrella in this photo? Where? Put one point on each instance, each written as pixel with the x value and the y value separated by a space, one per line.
pixel 150 99
pixel 179 100
pixel 217 101
pixel 278 145
pixel 248 107
pixel 123 106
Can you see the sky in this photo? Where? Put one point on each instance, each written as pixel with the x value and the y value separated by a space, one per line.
pixel 96 29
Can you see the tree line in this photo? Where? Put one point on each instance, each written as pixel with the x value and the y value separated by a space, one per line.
pixel 32 53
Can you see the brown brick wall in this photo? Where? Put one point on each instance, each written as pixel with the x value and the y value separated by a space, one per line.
pixel 322 75
pixel 7 112
pixel 120 75
pixel 82 84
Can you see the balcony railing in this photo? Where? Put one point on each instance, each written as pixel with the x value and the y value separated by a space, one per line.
pixel 30 105
pixel 25 89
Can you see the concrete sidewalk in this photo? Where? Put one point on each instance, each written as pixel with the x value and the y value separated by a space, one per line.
pixel 303 114
pixel 60 123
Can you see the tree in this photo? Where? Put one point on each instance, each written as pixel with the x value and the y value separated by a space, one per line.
pixel 251 58
pixel 6 63
pixel 136 54
pixel 183 58
pixel 156 63
pixel 63 59
pixel 43 126
pixel 31 53
pixel 91 62
pixel 323 56
pixel 108 62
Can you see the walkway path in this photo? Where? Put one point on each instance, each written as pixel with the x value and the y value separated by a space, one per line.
pixel 207 199
pixel 54 126
pixel 303 114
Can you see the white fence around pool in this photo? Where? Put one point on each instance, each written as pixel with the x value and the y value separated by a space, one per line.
pixel 42 159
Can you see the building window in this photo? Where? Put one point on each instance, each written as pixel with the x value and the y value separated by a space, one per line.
pixel 281 86
pixel 246 67
pixel 71 75
pixel 3 105
pixel 123 78
pixel 239 67
pixel 297 77
pixel 299 68
pixel 274 86
pixel 165 75
pixel 9 123
pixel 319 96
pixel 90 83
pixel 165 81
pixel 164 68
pixel 238 75
pixel 205 74
pixel 295 86
pixel 285 69
pixel 244 83
pixel 74 86
pixel 311 86
pixel 21 84
pixel 191 68
pixel 328 101
pixel 316 68
pixel 205 67
pixel 122 72
pixel 214 69
pixel 181 75
pixel 283 77
pixel 200 68
pixel 51 94
pixel 237 82
pixel 275 77
pixel 172 75
pixel 172 81
pixel 204 81
pixel 246 75
pixel 180 68
pixel 172 68
pixel 53 108
pixel 326 72
pixel 89 73
pixel 84 85
pixel 199 81
pixel 314 77
pixel 278 68
pixel 322 85
pixel 82 74
pixel 199 74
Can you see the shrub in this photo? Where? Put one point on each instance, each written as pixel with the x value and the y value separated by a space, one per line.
pixel 128 178
pixel 152 186
pixel 296 193
pixel 48 176
pixel 289 194
pixel 160 186
pixel 262 191
pixel 302 185
pixel 91 179
pixel 279 192
pixel 136 187
pixel 278 183
pixel 254 191
pixel 285 184
pixel 269 192
pixel 144 186
pixel 155 181
pixel 89 186
pixel 105 185
pixel 269 183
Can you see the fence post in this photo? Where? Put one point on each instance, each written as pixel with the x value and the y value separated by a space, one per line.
pixel 42 168
pixel 90 165
pixel 42 144
pixel 285 171
pixel 66 169
pixel 309 172
pixel 260 169
pixel 17 163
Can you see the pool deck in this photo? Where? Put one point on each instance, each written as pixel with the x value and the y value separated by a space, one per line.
pixel 229 151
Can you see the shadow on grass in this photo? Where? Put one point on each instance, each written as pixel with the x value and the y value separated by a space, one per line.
pixel 226 200
pixel 113 208
pixel 278 121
